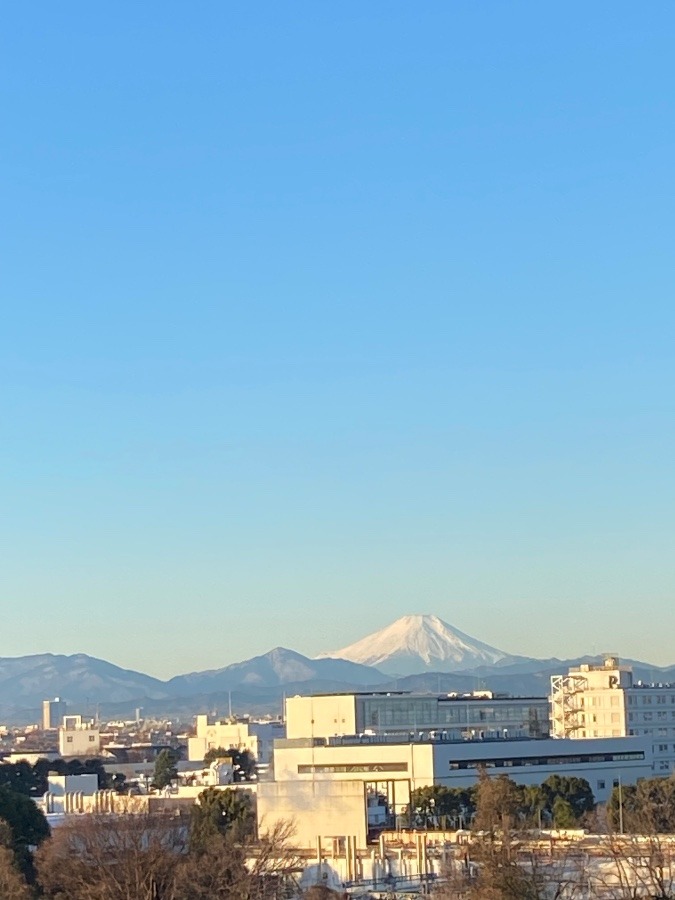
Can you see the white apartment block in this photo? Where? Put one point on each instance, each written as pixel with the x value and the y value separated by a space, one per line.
pixel 597 701
pixel 78 738
pixel 256 737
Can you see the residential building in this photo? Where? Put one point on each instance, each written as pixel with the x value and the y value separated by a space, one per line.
pixel 78 738
pixel 597 701
pixel 256 737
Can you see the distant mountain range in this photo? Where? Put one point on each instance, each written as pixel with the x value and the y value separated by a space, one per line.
pixel 87 683
pixel 415 653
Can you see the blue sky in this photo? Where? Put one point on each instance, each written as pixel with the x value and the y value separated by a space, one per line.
pixel 315 315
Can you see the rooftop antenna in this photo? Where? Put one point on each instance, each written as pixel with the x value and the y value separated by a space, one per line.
pixel 229 703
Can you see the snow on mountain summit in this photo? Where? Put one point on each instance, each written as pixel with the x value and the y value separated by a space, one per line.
pixel 414 644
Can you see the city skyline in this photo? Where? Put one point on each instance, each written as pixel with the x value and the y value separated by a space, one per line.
pixel 317 318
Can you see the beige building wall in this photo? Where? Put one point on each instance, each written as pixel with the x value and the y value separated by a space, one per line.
pixel 320 716
pixel 602 701
pixel 590 701
pixel 322 809
pixel 300 761
pixel 78 739
pixel 256 737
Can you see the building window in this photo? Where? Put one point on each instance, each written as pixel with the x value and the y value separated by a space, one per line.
pixel 615 782
pixel 91 738
pixel 601 785
pixel 69 740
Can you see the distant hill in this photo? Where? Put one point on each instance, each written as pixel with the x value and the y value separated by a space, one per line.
pixel 27 680
pixel 87 683
pixel 278 667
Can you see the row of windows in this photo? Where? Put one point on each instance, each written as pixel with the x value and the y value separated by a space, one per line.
pixel 649 716
pixel 652 732
pixel 600 701
pixel 546 760
pixel 615 717
pixel 616 732
pixel 648 699
pixel 602 784
pixel 357 767
pixel 396 712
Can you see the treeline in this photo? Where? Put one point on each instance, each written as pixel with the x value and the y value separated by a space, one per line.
pixel 647 807
pixel 31 780
pixel 562 802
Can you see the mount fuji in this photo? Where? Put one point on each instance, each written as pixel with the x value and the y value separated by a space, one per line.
pixel 414 644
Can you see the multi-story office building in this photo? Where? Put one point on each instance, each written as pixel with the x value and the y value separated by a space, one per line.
pixel 53 712
pixel 594 701
pixel 446 716
pixel 349 785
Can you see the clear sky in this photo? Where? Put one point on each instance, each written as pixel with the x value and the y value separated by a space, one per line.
pixel 318 314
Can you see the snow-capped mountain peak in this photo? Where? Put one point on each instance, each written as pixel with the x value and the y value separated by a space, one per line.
pixel 414 644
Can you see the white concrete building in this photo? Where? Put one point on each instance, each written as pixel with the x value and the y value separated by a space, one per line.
pixel 256 737
pixel 597 701
pixel 67 793
pixel 328 786
pixel 454 716
pixel 78 738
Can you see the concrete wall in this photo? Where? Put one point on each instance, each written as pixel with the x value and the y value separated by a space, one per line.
pixel 365 762
pixel 316 809
pixel 58 785
pixel 320 716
